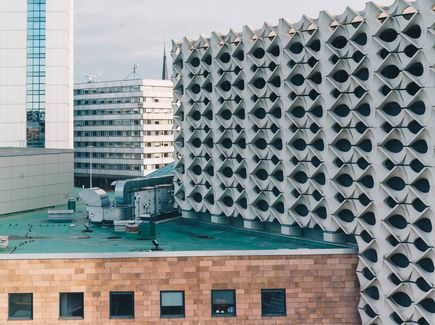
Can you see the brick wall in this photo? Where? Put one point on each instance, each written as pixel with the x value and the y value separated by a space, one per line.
pixel 321 289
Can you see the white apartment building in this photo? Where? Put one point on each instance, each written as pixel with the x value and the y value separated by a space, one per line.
pixel 124 127
pixel 36 73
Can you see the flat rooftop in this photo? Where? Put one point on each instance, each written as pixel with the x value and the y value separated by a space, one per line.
pixel 33 233
pixel 12 151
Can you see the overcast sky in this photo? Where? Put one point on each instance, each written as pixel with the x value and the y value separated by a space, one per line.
pixel 112 35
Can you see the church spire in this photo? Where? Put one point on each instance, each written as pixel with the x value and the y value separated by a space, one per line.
pixel 165 68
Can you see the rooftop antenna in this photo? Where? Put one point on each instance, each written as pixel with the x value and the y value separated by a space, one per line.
pixel 133 75
pixel 90 77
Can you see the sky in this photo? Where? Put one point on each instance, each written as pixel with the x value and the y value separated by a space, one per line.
pixel 113 35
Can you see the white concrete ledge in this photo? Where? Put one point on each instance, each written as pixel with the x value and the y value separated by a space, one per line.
pixel 161 254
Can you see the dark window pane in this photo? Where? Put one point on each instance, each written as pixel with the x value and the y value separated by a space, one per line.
pixel 122 304
pixel 223 302
pixel 20 306
pixel 273 302
pixel 172 304
pixel 71 304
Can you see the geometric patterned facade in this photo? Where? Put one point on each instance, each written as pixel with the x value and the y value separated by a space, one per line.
pixel 328 123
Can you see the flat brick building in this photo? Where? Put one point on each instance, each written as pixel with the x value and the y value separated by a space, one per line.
pixel 54 273
pixel 320 288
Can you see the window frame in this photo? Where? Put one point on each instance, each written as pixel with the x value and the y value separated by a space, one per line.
pixel 9 305
pixel 183 315
pixel 72 317
pixel 213 314
pixel 110 304
pixel 284 314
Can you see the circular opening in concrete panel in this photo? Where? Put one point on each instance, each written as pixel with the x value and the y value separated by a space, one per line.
pixel 262 205
pixel 369 218
pixel 412 88
pixel 226 114
pixel 399 260
pixel 297 79
pixel 315 45
pixel 390 71
pixel 342 110
pixel 343 145
pixel 345 180
pixel 428 304
pixel 421 245
pixel 372 292
pixel 228 201
pixel 207 59
pixel 279 175
pixel 368 238
pixel 424 224
pixel 262 174
pixel 209 87
pixel 197 197
pixel 416 69
pixel 302 210
pixel 360 39
pixel 423 285
pixel 340 76
pixel 401 299
pixel 225 58
pixel 195 62
pixel 392 109
pixel 240 84
pixel 276 81
pixel 279 207
pixel 316 78
pixel 414 31
pixel 227 172
pixel 259 53
pixel 362 74
pixel 339 42
pixel 242 173
pixel 363 109
pixel 210 198
pixel 210 170
pixel 369 311
pixel 359 91
pixel 196 115
pixel 196 142
pixel 320 211
pixel 371 255
pixel 239 55
pixel 300 177
pixel 367 274
pixel 225 86
pixel 197 170
pixel 298 112
pixel 426 264
pixel 388 35
pixel 260 113
pixel 196 89
pixel 296 48
pixel 259 83
pixel 261 144
pixel 275 50
pixel 346 215
pixel 227 143
pixel 243 203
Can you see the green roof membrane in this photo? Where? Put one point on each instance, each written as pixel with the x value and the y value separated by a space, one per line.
pixel 32 233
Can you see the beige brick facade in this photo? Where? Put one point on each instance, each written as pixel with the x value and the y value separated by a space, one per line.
pixel 321 289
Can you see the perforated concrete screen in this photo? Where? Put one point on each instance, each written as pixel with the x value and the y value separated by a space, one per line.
pixel 328 123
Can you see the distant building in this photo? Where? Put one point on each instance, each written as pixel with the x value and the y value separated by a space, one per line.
pixel 36 103
pixel 125 125
pixel 36 73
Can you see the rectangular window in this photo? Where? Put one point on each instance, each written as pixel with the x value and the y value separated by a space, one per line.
pixel 273 302
pixel 171 304
pixel 122 305
pixel 223 303
pixel 20 306
pixel 71 305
